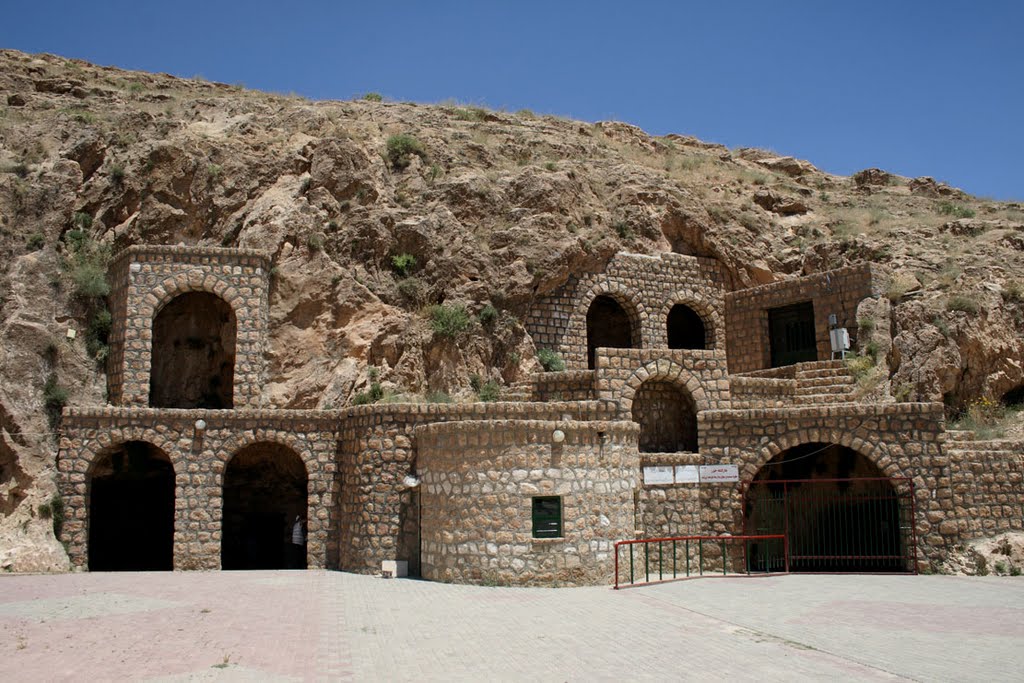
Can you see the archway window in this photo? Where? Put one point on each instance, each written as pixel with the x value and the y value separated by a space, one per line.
pixel 193 359
pixel 667 417
pixel 609 326
pixel 685 329
pixel 131 509
pixel 264 509
pixel 836 508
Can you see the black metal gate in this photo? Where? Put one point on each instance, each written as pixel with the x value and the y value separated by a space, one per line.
pixel 791 334
pixel 833 525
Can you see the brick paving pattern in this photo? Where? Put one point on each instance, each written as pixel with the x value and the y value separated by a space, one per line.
pixel 318 625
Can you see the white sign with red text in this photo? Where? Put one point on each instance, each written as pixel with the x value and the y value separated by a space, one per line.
pixel 719 473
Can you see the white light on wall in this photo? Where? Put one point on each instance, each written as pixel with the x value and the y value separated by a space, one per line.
pixel 558 436
pixel 411 481
pixel 200 425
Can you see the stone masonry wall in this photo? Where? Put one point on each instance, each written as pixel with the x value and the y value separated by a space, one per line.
pixel 148 277
pixel 902 440
pixel 703 374
pixel 838 291
pixel 478 481
pixel 199 460
pixel 988 488
pixel 647 287
pixel 377 450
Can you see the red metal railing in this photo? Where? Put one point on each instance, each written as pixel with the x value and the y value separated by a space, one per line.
pixel 862 524
pixel 693 553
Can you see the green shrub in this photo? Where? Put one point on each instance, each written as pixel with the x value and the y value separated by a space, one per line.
pixel 54 510
pixel 35 242
pixel 315 243
pixel 400 149
pixel 963 303
pixel 373 97
pixel 448 320
pixel 623 230
pixel 372 395
pixel 55 397
pixel 81 220
pixel 90 279
pixel 438 397
pixel 489 391
pixel 403 263
pixel 488 315
pixel 412 289
pixel 117 173
pixel 551 166
pixel 1013 292
pixel 955 210
pixel 550 360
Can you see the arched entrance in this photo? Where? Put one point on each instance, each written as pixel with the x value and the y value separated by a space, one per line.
pixel 193 358
pixel 836 508
pixel 667 416
pixel 685 328
pixel 131 509
pixel 264 496
pixel 1014 398
pixel 609 326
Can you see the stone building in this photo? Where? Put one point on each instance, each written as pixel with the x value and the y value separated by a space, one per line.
pixel 666 371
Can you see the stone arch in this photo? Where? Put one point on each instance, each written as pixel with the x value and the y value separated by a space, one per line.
pixel 266 507
pixel 839 510
pixel 875 451
pixel 667 371
pixel 130 505
pixel 171 288
pixel 632 307
pixel 667 416
pixel 709 316
pixel 193 351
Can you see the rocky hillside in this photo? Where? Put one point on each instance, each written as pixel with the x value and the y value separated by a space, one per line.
pixel 376 211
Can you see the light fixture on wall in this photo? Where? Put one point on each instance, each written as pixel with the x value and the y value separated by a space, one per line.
pixel 558 436
pixel 411 481
pixel 200 426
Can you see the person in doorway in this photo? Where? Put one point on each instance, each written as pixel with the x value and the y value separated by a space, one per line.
pixel 297 548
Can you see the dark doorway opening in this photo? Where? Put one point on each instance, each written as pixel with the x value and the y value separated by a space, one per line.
pixel 608 326
pixel 131 510
pixel 791 334
pixel 193 359
pixel 667 416
pixel 685 329
pixel 264 497
pixel 1014 398
pixel 837 510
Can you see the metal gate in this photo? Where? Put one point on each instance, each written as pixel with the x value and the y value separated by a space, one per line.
pixel 833 525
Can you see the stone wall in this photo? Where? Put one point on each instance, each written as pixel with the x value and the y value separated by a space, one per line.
pixel 902 440
pixel 987 481
pixel 568 385
pixel 647 287
pixel 703 374
pixel 145 278
pixel 838 291
pixel 377 451
pixel 199 459
pixel 478 482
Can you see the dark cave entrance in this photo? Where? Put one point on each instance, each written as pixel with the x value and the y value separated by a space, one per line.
pixel 667 416
pixel 685 328
pixel 837 510
pixel 1014 398
pixel 131 509
pixel 193 359
pixel 791 334
pixel 609 326
pixel 264 493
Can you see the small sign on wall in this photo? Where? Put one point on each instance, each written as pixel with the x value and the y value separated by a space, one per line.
pixel 687 474
pixel 657 475
pixel 719 473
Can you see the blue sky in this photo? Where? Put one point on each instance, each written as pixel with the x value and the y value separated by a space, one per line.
pixel 917 88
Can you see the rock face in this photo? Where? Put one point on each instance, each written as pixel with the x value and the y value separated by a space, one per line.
pixel 489 212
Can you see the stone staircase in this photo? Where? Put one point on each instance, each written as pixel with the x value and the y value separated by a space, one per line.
pixel 823 383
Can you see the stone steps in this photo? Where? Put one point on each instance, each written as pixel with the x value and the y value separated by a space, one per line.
pixel 811 382
pixel 822 399
pixel 959 435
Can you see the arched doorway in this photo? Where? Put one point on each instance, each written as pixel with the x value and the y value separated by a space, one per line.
pixel 685 328
pixel 667 416
pixel 609 326
pixel 264 496
pixel 131 509
pixel 193 359
pixel 836 508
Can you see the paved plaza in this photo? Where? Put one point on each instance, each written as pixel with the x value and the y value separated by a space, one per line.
pixel 320 625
